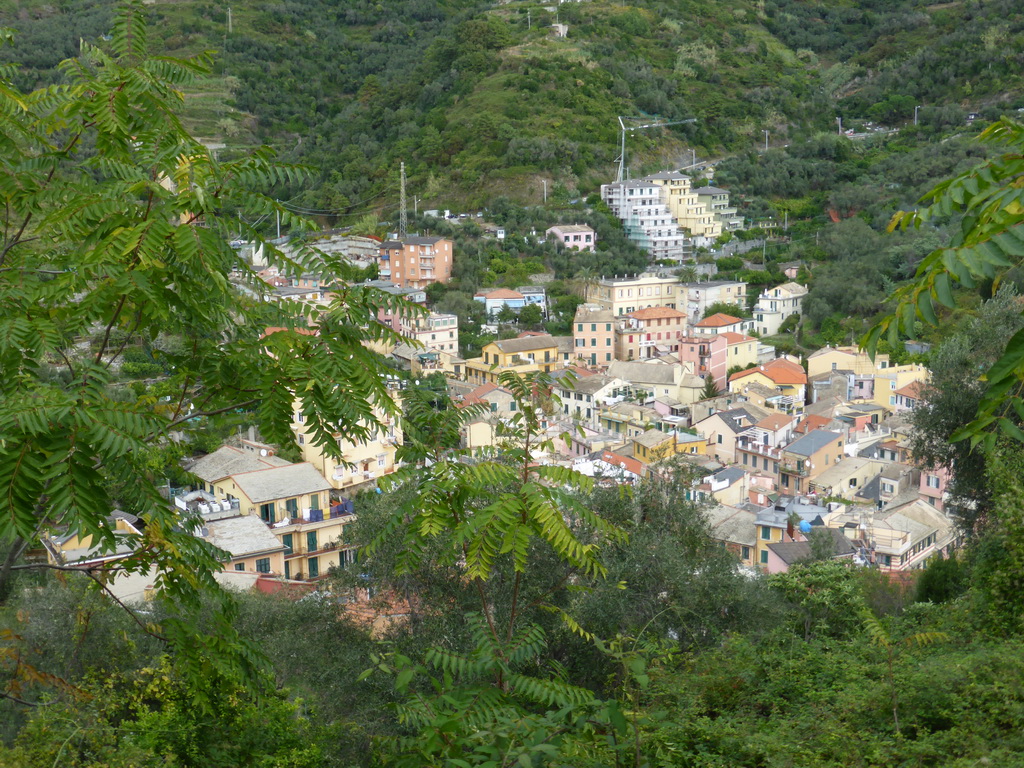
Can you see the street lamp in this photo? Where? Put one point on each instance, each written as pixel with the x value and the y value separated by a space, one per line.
pixel 915 113
pixel 766 141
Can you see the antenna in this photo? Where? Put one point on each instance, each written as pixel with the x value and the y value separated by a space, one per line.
pixel 403 221
pixel 656 124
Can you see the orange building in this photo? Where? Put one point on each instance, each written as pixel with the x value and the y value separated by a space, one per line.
pixel 416 262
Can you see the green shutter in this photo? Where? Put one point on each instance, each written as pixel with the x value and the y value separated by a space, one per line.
pixel 287 541
pixel 314 567
pixel 311 541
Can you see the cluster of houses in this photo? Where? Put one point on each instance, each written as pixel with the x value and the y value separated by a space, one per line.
pixel 782 451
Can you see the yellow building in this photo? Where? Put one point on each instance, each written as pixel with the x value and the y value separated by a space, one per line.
pixel 892 379
pixel 845 359
pixel 293 502
pixel 362 461
pixel 689 211
pixel 741 349
pixel 655 445
pixel 628 294
pixel 527 354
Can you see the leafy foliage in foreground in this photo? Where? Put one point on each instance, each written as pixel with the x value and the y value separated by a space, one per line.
pixel 112 228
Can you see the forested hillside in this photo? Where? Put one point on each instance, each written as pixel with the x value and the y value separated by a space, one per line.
pixel 480 97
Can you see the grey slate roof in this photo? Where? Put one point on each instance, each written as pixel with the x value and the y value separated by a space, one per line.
pixel 794 551
pixel 732 524
pixel 652 438
pixel 588 385
pixel 709 190
pixel 228 460
pixel 643 373
pixel 730 474
pixel 241 536
pixel 530 343
pixel 812 442
pixel 281 482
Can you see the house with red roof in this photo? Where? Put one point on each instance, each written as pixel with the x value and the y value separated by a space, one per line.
pixel 712 325
pixel 909 397
pixel 786 376
pixel 649 332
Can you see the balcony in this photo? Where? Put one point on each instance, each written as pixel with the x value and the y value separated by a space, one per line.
pixel 760 449
pixel 302 551
pixel 798 468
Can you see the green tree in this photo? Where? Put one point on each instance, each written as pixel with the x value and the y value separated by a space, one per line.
pixel 989 241
pixel 489 520
pixel 734 310
pixel 531 316
pixel 113 219
pixel 710 388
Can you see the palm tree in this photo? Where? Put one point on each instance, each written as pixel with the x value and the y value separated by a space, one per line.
pixel 687 274
pixel 584 281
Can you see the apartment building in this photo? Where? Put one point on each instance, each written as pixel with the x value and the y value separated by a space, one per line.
pixel 716 201
pixel 807 457
pixel 593 334
pixel 709 356
pixel 437 332
pixel 526 354
pixel 416 262
pixel 649 332
pixel 699 296
pixel 685 204
pixel 627 294
pixel 641 206
pixel 363 458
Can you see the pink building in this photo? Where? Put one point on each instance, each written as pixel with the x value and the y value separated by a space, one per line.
pixel 593 334
pixel 649 332
pixel 933 486
pixel 578 236
pixel 709 355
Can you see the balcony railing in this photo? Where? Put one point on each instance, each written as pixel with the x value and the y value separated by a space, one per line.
pixel 800 469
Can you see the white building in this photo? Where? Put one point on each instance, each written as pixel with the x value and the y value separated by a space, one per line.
pixel 774 305
pixel 642 206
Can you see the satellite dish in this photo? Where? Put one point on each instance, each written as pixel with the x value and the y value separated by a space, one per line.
pixel 263 451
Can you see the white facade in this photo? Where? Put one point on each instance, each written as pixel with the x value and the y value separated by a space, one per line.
pixel 641 205
pixel 774 305
pixel 437 332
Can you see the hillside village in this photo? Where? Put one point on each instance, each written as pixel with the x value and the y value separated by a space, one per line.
pixel 656 375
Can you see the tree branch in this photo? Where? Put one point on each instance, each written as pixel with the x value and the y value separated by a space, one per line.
pixel 214 412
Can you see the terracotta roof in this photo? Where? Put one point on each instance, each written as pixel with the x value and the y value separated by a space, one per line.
pixel 628 463
pixel 780 371
pixel 912 390
pixel 651 313
pixel 718 320
pixel 735 338
pixel 774 422
pixel 500 293
pixel 811 422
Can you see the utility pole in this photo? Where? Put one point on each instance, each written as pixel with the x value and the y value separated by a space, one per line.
pixel 766 141
pixel 840 121
pixel 229 19
pixel 278 212
pixel 622 125
pixel 915 113
pixel 529 22
pixel 545 183
pixel 403 216
pixel 415 206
